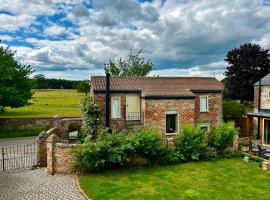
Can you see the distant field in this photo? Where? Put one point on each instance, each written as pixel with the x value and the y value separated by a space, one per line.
pixel 48 103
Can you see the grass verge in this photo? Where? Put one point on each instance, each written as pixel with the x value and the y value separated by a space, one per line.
pixel 20 133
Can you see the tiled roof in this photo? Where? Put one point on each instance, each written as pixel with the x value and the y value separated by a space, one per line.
pixel 159 86
pixel 264 81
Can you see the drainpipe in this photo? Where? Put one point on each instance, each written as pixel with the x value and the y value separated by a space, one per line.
pixel 108 100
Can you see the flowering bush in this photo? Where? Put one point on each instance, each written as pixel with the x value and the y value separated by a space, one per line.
pixel 90 117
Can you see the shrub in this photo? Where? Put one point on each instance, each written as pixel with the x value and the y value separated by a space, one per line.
pixel 191 142
pixel 210 153
pixel 149 146
pixel 109 151
pixel 90 117
pixel 233 110
pixel 116 150
pixel 223 136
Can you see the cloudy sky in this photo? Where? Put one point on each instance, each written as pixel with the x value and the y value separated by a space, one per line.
pixel 73 39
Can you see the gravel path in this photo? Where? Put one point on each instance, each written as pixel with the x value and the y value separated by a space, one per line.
pixel 37 185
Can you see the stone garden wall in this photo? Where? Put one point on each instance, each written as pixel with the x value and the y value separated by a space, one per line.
pixel 59 159
pixel 23 123
pixel 60 130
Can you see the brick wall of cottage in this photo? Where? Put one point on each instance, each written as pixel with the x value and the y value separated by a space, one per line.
pixel 214 115
pixel 155 112
pixel 100 100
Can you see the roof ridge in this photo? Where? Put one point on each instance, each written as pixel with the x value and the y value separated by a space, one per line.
pixel 160 77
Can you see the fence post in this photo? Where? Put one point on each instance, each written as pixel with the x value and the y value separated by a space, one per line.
pixel 3 161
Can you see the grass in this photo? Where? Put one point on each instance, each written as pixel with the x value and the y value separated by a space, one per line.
pixel 20 133
pixel 48 103
pixel 222 179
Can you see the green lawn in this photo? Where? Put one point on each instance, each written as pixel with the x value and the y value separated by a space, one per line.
pixel 20 133
pixel 48 103
pixel 222 179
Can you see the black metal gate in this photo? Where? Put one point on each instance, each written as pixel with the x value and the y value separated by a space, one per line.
pixel 18 157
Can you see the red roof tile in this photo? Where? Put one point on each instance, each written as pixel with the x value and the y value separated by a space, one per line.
pixel 159 86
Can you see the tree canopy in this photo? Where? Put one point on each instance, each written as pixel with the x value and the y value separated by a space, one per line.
pixel 134 65
pixel 15 87
pixel 40 82
pixel 247 64
pixel 83 87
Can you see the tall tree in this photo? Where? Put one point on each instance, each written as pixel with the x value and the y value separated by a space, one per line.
pixel 14 80
pixel 247 64
pixel 83 87
pixel 40 82
pixel 134 65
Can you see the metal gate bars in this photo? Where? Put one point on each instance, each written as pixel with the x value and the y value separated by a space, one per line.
pixel 18 157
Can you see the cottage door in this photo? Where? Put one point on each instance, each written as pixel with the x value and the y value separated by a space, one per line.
pixel 133 107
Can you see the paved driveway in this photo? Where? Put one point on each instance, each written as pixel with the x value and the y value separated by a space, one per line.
pixel 17 141
pixel 38 185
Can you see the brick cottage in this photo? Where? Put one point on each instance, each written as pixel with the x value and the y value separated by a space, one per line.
pixel 162 102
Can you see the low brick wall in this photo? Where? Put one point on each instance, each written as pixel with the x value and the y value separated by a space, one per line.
pixel 59 158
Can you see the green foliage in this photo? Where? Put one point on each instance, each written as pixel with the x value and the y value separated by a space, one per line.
pixel 233 110
pixel 116 150
pixel 110 151
pixel 149 146
pixel 247 65
pixel 223 136
pixel 14 81
pixel 134 65
pixel 83 87
pixel 210 153
pixel 191 142
pixel 39 82
pixel 90 116
pixel 15 133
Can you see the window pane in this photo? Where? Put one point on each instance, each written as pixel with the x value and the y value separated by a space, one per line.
pixel 171 123
pixel 115 108
pixel 203 104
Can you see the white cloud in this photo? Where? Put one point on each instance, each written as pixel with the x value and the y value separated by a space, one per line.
pixel 12 23
pixel 181 37
pixel 54 30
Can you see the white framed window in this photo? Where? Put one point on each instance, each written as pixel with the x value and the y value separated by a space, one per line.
pixel 204 104
pixel 116 107
pixel 205 126
pixel 268 94
pixel 171 122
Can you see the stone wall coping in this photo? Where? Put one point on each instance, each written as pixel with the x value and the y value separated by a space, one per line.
pixel 71 119
pixel 45 134
pixel 53 138
pixel 66 145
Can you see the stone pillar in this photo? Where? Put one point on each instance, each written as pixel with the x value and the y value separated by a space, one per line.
pixel 52 139
pixel 42 149
pixel 42 146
